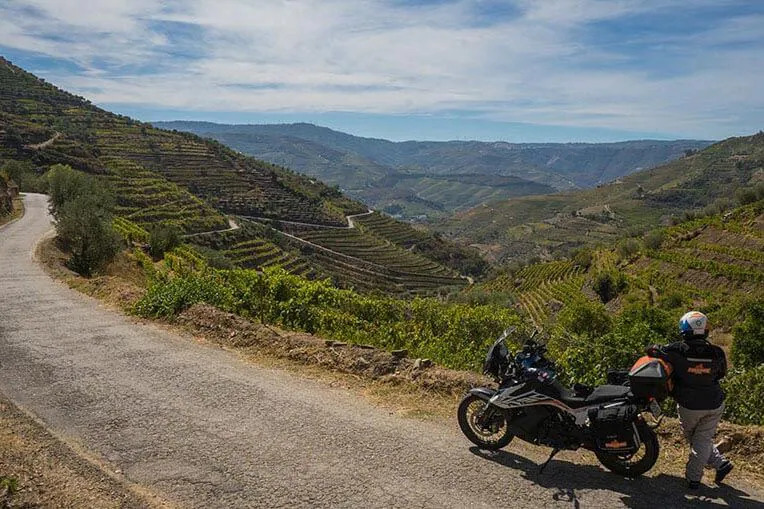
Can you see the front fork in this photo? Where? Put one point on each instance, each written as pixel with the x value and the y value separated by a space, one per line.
pixel 486 419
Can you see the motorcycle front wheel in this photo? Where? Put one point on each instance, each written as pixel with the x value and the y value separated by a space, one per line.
pixel 636 464
pixel 485 427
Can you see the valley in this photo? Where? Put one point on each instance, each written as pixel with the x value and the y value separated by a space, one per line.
pixel 429 180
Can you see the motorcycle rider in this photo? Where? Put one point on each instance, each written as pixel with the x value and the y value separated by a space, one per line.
pixel 698 367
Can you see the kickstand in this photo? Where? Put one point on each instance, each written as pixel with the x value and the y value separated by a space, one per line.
pixel 554 453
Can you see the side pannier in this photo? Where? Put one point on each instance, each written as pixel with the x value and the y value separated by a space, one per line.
pixel 614 428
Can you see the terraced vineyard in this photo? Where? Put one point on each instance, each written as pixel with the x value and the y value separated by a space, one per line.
pixel 461 259
pixel 388 228
pixel 555 224
pixel 147 199
pixel 46 125
pixel 253 246
pixel 260 254
pixel 713 264
pixel 380 262
pixel 711 258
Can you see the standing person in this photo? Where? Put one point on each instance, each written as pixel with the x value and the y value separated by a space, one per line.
pixel 698 367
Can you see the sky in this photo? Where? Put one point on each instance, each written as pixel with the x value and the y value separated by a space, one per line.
pixel 513 70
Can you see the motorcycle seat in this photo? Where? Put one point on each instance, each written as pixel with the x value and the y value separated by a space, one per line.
pixel 605 393
pixel 601 394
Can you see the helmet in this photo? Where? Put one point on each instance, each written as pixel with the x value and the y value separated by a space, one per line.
pixel 693 324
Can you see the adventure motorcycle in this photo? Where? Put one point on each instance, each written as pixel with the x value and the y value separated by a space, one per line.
pixel 615 421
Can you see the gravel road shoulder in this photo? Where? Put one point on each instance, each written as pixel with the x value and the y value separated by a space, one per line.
pixel 49 473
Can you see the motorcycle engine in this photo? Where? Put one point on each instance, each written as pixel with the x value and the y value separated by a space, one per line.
pixel 559 431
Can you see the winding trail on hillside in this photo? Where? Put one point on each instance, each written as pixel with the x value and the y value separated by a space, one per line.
pixel 232 225
pixel 201 427
pixel 44 144
pixel 349 219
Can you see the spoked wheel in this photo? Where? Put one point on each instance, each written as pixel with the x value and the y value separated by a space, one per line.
pixel 636 464
pixel 486 428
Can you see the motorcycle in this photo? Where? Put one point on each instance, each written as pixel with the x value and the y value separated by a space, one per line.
pixel 615 421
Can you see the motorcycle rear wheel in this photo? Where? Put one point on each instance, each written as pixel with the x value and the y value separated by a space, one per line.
pixel 635 464
pixel 492 433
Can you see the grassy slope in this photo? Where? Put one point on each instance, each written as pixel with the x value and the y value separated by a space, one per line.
pixel 179 178
pixel 96 141
pixel 557 223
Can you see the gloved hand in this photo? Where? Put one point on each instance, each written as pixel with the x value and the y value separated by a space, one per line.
pixel 654 351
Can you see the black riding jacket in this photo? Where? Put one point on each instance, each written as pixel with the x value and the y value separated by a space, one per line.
pixel 698 367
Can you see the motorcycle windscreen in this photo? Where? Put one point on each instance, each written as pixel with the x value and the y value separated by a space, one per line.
pixel 496 359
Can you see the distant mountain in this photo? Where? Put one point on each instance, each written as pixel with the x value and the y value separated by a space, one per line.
pixel 547 226
pixel 413 178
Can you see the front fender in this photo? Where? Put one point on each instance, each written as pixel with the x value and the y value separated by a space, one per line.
pixel 483 393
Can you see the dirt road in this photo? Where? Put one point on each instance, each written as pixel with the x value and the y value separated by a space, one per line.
pixel 200 427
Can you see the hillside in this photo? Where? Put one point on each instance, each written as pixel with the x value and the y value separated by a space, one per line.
pixel 713 263
pixel 550 225
pixel 180 179
pixel 434 179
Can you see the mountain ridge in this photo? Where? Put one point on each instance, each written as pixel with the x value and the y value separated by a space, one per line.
pixel 378 171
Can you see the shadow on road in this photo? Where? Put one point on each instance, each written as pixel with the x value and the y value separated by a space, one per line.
pixel 663 490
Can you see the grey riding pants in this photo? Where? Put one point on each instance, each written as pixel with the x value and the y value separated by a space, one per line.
pixel 699 428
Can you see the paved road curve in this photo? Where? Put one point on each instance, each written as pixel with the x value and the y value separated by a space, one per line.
pixel 200 427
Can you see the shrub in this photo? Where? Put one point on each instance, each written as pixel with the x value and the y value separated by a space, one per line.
pixel 628 248
pixel 609 284
pixel 585 354
pixel 654 239
pixel 752 194
pixel 672 300
pixel 163 238
pixel 584 318
pixel 213 257
pixel 745 392
pixel 24 175
pixel 748 346
pixel 583 258
pixel 165 298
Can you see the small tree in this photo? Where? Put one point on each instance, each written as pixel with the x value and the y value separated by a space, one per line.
pixel 748 346
pixel 628 248
pixel 84 227
pixel 583 258
pixel 82 208
pixel 65 184
pixel 163 238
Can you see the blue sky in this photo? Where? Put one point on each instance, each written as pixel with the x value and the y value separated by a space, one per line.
pixel 515 70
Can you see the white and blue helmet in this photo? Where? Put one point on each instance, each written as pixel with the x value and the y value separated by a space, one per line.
pixel 692 324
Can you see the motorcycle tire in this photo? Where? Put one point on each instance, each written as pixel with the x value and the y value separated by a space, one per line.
pixel 628 466
pixel 470 409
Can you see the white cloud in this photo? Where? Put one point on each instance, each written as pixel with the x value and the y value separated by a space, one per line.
pixel 384 57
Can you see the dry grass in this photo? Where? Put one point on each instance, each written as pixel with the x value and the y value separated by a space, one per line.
pixel 18 211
